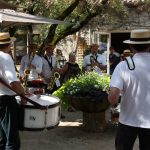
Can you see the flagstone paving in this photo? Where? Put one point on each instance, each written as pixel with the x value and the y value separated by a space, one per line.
pixel 69 135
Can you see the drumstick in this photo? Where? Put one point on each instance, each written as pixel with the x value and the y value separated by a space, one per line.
pixel 29 100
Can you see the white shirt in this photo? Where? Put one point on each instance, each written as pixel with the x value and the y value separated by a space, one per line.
pixel 7 73
pixel 34 73
pixel 135 87
pixel 87 62
pixel 46 70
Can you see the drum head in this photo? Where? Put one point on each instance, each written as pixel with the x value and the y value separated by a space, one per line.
pixel 44 100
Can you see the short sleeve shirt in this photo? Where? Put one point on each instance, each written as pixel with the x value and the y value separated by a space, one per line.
pixel 135 88
pixel 7 73
pixel 36 61
pixel 87 62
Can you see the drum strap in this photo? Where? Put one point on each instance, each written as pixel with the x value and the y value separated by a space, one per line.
pixel 49 63
pixel 130 63
pixel 29 100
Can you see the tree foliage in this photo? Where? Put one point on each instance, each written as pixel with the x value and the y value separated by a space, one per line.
pixel 78 13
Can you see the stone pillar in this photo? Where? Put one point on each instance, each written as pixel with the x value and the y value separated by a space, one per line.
pixel 94 122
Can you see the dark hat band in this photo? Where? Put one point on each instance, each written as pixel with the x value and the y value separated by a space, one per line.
pixel 140 39
pixel 5 40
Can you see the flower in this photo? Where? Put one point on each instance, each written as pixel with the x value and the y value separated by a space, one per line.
pixel 89 84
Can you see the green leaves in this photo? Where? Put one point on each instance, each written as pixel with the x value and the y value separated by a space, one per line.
pixel 84 85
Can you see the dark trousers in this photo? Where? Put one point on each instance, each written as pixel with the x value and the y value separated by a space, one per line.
pixel 9 133
pixel 126 136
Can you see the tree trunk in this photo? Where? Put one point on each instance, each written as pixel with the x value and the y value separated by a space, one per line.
pixel 94 122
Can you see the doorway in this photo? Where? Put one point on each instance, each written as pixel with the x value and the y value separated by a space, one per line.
pixel 117 41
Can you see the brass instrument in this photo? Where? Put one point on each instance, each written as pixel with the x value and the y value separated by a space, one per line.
pixel 93 61
pixel 27 70
pixel 53 79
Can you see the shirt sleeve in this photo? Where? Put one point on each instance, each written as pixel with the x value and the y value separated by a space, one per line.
pixel 116 78
pixel 102 60
pixel 39 65
pixel 10 69
pixel 84 61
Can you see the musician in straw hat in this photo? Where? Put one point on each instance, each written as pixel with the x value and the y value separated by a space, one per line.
pixel 9 134
pixel 94 61
pixel 134 85
pixel 31 65
pixel 49 67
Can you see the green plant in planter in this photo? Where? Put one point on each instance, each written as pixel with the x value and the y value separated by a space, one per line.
pixel 88 85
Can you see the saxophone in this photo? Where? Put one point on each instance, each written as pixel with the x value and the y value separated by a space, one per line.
pixel 27 70
pixel 93 61
pixel 55 76
pixel 53 79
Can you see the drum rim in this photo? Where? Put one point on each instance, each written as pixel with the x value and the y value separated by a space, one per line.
pixel 42 107
pixel 42 128
pixel 45 106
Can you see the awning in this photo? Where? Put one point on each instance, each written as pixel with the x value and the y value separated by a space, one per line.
pixel 11 18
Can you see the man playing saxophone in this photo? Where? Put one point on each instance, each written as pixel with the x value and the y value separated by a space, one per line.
pixel 31 65
pixel 49 70
pixel 94 61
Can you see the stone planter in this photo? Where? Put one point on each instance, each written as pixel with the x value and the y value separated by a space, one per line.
pixel 90 104
pixel 93 109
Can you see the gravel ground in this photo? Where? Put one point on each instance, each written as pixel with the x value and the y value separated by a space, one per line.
pixel 69 135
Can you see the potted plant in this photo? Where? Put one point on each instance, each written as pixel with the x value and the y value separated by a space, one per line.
pixel 86 92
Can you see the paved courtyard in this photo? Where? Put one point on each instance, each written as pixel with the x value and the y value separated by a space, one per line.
pixel 69 135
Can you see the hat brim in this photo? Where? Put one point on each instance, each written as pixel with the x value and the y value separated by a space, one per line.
pixel 135 42
pixel 12 39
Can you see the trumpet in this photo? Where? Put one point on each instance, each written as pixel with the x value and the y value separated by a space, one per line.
pixel 53 79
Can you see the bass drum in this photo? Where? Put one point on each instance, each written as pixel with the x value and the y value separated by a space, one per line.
pixel 45 118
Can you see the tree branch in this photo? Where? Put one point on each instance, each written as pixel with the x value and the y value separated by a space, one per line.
pixel 64 14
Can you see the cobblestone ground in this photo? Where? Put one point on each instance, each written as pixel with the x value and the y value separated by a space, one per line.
pixel 69 135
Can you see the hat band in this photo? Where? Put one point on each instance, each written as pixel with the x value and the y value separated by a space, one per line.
pixel 140 39
pixel 5 40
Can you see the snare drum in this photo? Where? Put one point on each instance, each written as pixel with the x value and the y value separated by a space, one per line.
pixel 47 117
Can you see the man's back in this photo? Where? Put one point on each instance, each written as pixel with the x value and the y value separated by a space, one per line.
pixel 135 86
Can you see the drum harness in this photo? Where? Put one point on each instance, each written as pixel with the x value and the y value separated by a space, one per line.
pixel 130 62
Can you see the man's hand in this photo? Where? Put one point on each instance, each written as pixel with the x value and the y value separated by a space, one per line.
pixel 23 101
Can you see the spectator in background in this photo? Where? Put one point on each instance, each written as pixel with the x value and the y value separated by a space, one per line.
pixel 114 59
pixel 70 69
pixel 60 58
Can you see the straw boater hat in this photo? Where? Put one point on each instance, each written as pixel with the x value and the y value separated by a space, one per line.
pixel 139 36
pixel 5 38
pixel 127 51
